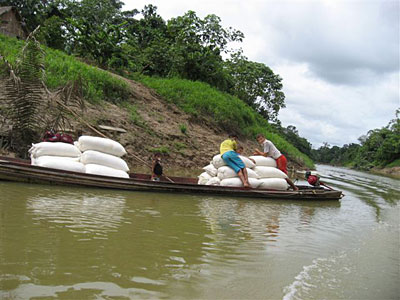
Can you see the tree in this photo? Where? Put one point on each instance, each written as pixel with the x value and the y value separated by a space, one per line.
pixel 147 43
pixel 257 85
pixel 24 94
pixel 95 30
pixel 197 45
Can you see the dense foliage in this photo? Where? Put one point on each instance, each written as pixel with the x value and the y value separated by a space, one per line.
pixel 291 134
pixel 142 42
pixel 378 148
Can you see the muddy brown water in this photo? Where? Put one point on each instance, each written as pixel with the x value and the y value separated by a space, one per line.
pixel 77 243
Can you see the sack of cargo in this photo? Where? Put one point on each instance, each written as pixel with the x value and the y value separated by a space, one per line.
pixel 213 181
pixel 274 184
pixel 264 161
pixel 227 172
pixel 211 170
pixel 100 144
pixel 54 149
pixel 203 178
pixel 105 171
pixel 236 182
pixel 34 161
pixel 61 163
pixel 247 162
pixel 100 158
pixel 217 161
pixel 269 172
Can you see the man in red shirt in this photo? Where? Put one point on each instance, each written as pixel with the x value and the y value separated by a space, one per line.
pixel 312 179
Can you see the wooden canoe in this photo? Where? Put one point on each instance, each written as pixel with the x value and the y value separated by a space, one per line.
pixel 17 170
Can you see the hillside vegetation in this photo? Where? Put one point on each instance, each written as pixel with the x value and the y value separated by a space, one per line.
pixel 206 114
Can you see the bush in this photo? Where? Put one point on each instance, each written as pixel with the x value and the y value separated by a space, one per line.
pixel 183 128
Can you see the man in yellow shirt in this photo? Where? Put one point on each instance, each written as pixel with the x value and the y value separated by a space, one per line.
pixel 228 153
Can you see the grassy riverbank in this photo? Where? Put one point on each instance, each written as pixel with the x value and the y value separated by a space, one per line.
pixel 188 116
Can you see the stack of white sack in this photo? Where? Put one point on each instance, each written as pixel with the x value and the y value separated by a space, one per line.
pixel 57 155
pixel 102 156
pixel 269 175
pixel 262 174
pixel 218 173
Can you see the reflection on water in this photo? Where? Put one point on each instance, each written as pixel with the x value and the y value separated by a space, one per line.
pixel 89 290
pixel 58 242
pixel 83 214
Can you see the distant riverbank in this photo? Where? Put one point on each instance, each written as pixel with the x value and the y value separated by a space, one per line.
pixel 392 172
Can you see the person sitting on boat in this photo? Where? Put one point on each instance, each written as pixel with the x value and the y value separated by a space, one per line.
pixel 312 179
pixel 231 158
pixel 156 167
pixel 269 150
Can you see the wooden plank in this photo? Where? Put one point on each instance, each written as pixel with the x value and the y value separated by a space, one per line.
pixel 110 128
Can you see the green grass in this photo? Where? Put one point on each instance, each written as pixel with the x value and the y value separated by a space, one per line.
pixel 179 146
pixel 162 150
pixel 97 85
pixel 183 128
pixel 395 163
pixel 133 114
pixel 229 112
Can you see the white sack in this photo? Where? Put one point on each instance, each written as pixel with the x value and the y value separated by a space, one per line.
pixel 108 160
pixel 269 172
pixel 34 161
pixel 100 144
pixel 105 171
pixel 274 184
pixel 247 162
pixel 54 149
pixel 60 163
pixel 217 161
pixel 254 182
pixel 264 161
pixel 227 172
pixel 211 170
pixel 213 181
pixel 203 178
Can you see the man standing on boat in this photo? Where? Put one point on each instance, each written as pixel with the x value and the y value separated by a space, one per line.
pixel 269 150
pixel 232 159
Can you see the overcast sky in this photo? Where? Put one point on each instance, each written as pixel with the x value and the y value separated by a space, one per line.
pixel 339 59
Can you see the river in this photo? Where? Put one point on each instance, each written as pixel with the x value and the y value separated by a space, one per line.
pixel 75 243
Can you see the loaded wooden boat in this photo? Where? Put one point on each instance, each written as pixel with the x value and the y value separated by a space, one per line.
pixel 18 170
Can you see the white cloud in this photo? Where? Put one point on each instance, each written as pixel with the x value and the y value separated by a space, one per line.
pixel 339 60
